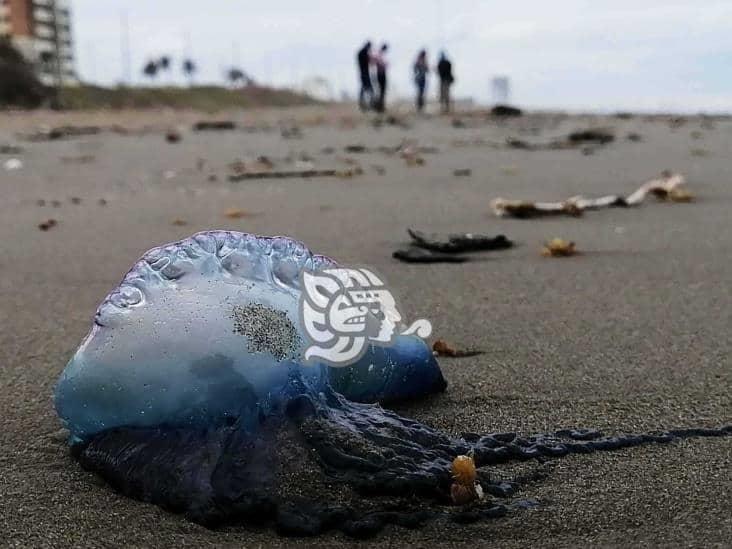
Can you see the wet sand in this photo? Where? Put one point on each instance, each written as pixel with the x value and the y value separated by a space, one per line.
pixel 632 335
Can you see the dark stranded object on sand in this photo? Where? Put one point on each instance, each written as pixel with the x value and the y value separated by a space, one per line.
pixel 214 125
pixel 597 135
pixel 434 248
pixel 48 224
pixel 577 139
pixel 506 110
pixel 459 242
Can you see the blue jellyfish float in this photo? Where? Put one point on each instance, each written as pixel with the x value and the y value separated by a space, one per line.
pixel 190 392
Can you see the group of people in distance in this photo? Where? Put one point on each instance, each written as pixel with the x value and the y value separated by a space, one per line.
pixel 374 65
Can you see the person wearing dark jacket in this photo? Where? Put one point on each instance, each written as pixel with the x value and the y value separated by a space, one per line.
pixel 366 95
pixel 444 70
pixel 421 68
pixel 379 61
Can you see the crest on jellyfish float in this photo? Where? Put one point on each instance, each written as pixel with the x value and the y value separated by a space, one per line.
pixel 191 392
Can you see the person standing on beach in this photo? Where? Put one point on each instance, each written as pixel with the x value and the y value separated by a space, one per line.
pixel 444 70
pixel 363 59
pixel 380 63
pixel 421 69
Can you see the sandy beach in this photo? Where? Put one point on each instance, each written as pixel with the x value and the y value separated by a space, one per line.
pixel 632 335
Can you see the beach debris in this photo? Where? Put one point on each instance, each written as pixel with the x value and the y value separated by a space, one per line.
pixel 411 156
pixel 214 125
pixel 524 209
pixel 12 164
pixel 413 160
pixel 260 164
pixel 178 222
pixel 349 172
pixel 634 137
pixel 285 174
pixel 583 139
pixel 172 136
pixel 465 487
pixel 380 170
pixel 506 110
pixel 62 132
pixel 443 348
pixel 459 242
pixel 102 202
pixel 40 202
pixel 75 200
pixel 48 224
pixel 11 149
pixel 514 143
pixel 56 203
pixel 414 254
pixel 350 161
pixel 291 132
pixel 558 247
pixel 74 131
pixel 600 136
pixel 46 133
pixel 264 162
pixel 700 153
pixel 305 164
pixel 356 148
pixel 238 213
pixel 327 150
pixel 669 186
pixel 462 172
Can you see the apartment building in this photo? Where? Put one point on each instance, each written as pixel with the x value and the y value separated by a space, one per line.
pixel 41 31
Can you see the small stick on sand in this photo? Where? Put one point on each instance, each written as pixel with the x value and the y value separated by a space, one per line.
pixel 293 174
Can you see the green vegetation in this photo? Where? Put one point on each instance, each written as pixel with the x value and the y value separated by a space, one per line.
pixel 204 98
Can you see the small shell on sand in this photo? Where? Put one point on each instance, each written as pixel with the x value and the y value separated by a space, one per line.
pixel 558 247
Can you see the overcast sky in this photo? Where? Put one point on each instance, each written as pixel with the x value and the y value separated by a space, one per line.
pixel 576 54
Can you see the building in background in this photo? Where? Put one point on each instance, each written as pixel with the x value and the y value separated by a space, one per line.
pixel 41 31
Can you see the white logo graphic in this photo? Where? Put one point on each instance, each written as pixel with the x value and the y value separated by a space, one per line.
pixel 343 310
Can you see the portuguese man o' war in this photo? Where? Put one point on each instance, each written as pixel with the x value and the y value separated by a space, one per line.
pixel 190 392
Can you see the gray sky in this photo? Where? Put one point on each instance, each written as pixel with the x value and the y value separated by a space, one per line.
pixel 576 54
